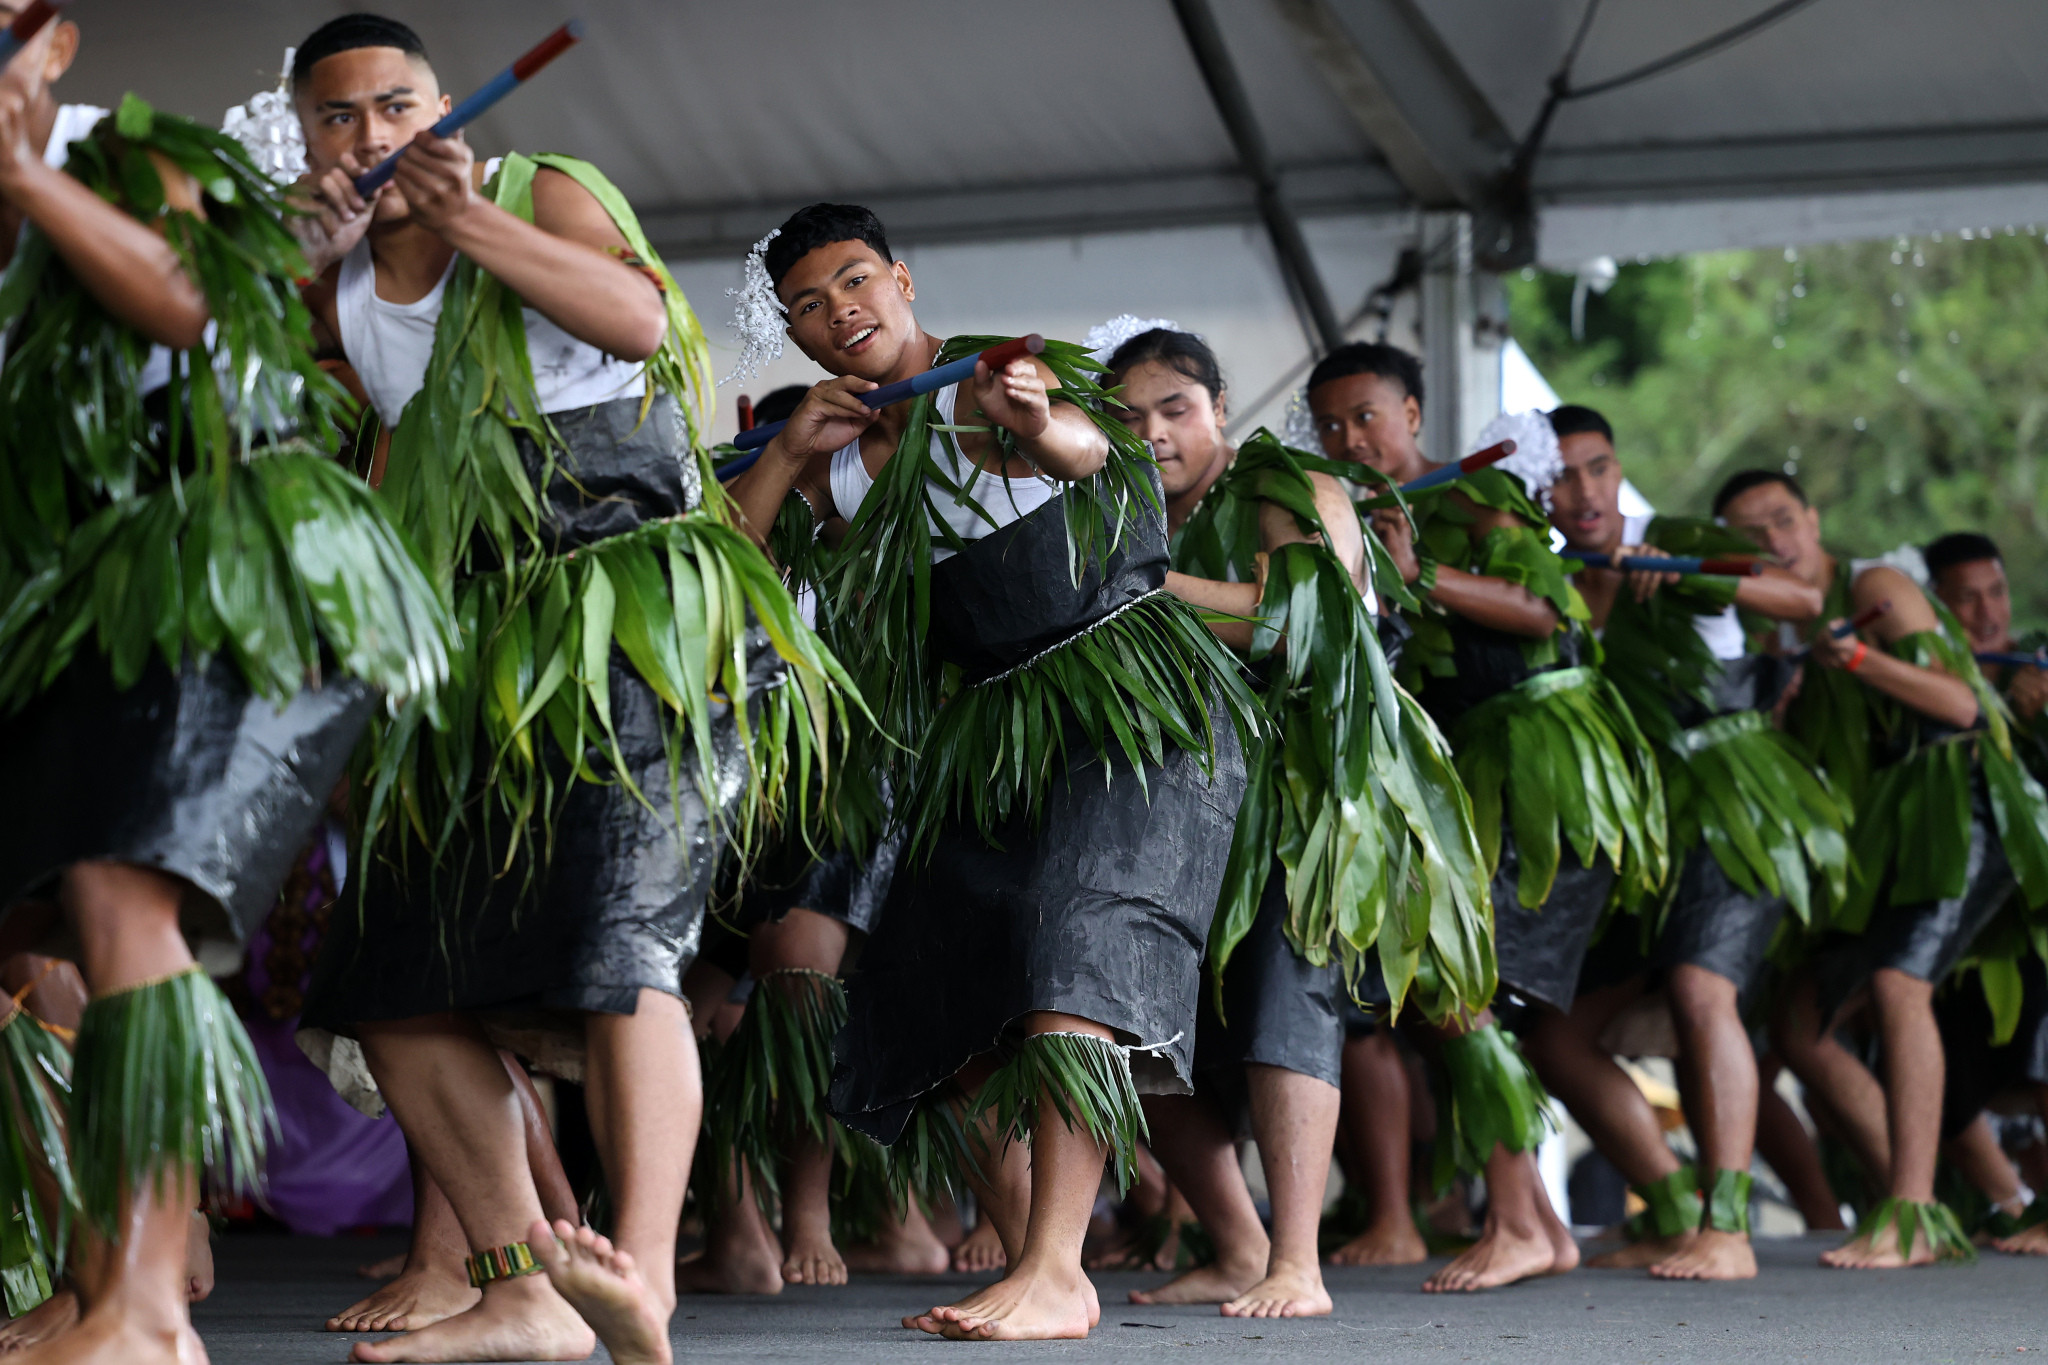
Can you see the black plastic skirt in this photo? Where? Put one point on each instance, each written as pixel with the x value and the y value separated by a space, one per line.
pixel 1278 1008
pixel 617 907
pixel 842 885
pixel 1925 940
pixel 1712 924
pixel 1541 951
pixel 185 773
pixel 1101 910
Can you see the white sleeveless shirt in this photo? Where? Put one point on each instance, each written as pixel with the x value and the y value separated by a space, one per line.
pixel 1004 499
pixel 389 345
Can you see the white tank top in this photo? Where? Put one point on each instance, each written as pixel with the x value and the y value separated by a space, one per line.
pixel 1004 499
pixel 389 345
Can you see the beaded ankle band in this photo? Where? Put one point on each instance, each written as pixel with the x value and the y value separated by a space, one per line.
pixel 507 1262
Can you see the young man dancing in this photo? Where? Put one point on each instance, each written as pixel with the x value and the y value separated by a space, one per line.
pixel 1946 825
pixel 1039 951
pixel 546 883
pixel 1497 660
pixel 183 672
pixel 1753 826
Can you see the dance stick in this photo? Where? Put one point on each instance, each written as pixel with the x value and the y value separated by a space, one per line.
pixel 2015 660
pixel 1479 459
pixel 953 372
pixel 25 26
pixel 1685 564
pixel 488 94
pixel 1850 627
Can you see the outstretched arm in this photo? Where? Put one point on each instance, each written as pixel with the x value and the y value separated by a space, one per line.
pixel 1277 527
pixel 1930 691
pixel 1058 438
pixel 124 263
pixel 1780 595
pixel 1492 602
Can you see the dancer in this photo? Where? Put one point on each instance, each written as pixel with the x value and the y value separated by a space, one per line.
pixel 1040 945
pixel 170 735
pixel 1946 824
pixel 1497 660
pixel 545 881
pixel 1296 924
pixel 1754 829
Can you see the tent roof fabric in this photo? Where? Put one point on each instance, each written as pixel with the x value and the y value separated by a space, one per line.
pixel 1059 117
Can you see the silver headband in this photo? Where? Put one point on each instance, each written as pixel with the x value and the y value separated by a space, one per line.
pixel 758 317
pixel 268 128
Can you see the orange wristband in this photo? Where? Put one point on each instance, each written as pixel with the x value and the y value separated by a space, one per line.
pixel 1856 659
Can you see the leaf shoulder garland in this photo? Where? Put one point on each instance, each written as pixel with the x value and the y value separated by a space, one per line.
pixel 225 524
pixel 1352 787
pixel 679 597
pixel 1125 689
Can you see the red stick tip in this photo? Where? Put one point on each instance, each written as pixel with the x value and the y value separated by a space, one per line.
pixel 746 413
pixel 1733 568
pixel 1480 459
pixel 547 49
pixel 995 357
pixel 34 17
pixel 1865 618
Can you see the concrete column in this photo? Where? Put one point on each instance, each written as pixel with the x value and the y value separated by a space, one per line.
pixel 1463 328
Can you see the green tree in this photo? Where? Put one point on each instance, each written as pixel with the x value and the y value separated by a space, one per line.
pixel 1905 382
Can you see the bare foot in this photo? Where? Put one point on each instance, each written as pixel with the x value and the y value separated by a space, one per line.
pixel 2031 1241
pixel 1289 1292
pixel 1879 1250
pixel 390 1268
pixel 1648 1252
pixel 1024 1306
pixel 980 1250
pixel 741 1257
pixel 813 1260
pixel 198 1258
pixel 1398 1244
pixel 601 1282
pixel 909 1250
pixel 416 1299
pixel 58 1313
pixel 111 1337
pixel 1503 1255
pixel 522 1319
pixel 1712 1255
pixel 1218 1283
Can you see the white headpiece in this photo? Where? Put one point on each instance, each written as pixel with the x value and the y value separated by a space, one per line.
pixel 268 128
pixel 1536 461
pixel 757 315
pixel 1104 338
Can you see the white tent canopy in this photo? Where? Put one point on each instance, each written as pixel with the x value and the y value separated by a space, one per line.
pixel 1046 164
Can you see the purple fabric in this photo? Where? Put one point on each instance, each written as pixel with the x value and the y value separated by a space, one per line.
pixel 332 1169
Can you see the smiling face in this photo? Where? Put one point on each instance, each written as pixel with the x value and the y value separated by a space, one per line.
pixel 1182 423
pixel 1772 515
pixel 849 310
pixel 1585 502
pixel 1977 592
pixel 360 106
pixel 1371 420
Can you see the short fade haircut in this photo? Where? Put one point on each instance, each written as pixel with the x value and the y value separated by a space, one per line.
pixel 1183 352
pixel 1370 357
pixel 1960 547
pixel 350 32
pixel 1738 484
pixel 817 225
pixel 1575 420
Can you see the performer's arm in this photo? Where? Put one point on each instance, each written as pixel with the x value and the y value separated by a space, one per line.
pixel 1492 602
pixel 123 262
pixel 1229 599
pixel 1930 691
pixel 1058 438
pixel 557 264
pixel 1780 595
pixel 799 458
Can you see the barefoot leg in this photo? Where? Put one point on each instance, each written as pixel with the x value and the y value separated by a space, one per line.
pixel 1522 1238
pixel 1199 1156
pixel 741 1255
pixel 1718 1071
pixel 1376 1119
pixel 905 1246
pixel 1294 1118
pixel 809 1257
pixel 550 1181
pixel 432 1283
pixel 1782 1140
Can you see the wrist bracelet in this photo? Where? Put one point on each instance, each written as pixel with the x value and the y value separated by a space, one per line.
pixel 1856 659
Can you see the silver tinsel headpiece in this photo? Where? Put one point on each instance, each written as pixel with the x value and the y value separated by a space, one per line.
pixel 1536 461
pixel 268 128
pixel 1298 424
pixel 1104 338
pixel 758 317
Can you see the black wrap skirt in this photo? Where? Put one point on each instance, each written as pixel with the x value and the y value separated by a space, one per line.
pixel 1278 1008
pixel 1712 924
pixel 185 773
pixel 1978 1069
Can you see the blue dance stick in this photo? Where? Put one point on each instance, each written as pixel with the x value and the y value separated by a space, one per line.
pixel 931 381
pixel 1478 459
pixel 2014 660
pixel 1682 564
pixel 492 90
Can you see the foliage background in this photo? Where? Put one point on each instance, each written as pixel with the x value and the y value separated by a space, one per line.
pixel 1905 382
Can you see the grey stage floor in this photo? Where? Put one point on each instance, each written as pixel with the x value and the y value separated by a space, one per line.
pixel 274 1291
